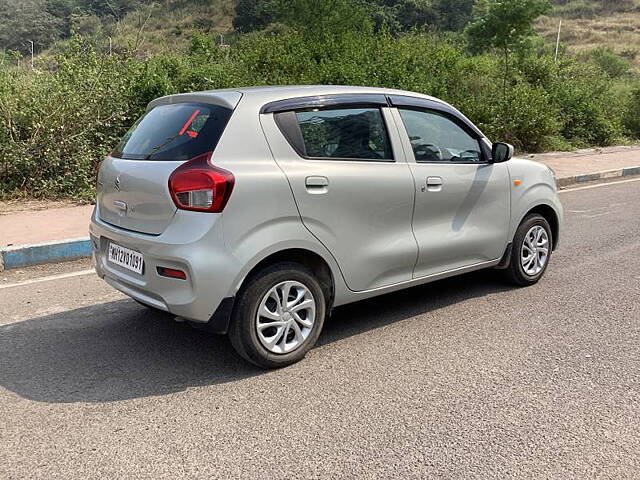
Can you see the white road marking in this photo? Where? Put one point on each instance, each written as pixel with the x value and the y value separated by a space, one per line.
pixel 588 187
pixel 48 279
pixel 92 271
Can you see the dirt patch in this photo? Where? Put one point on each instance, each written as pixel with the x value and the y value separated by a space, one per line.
pixel 22 205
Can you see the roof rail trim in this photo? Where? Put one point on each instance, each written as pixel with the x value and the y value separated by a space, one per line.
pixel 323 101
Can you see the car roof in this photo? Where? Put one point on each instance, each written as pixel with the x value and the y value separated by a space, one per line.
pixel 281 92
pixel 260 95
pixel 301 90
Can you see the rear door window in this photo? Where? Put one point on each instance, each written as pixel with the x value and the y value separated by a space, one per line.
pixel 345 133
pixel 179 131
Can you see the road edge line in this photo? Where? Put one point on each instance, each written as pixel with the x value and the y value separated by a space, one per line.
pixel 566 182
pixel 50 278
pixel 48 252
pixel 576 188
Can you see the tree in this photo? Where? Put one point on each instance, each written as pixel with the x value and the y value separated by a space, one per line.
pixel 115 8
pixel 253 15
pixel 454 15
pixel 415 13
pixel 504 24
pixel 324 17
pixel 23 20
pixel 391 15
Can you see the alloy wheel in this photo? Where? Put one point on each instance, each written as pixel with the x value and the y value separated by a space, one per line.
pixel 285 317
pixel 535 250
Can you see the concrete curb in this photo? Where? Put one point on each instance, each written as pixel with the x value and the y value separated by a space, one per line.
pixel 592 177
pixel 25 255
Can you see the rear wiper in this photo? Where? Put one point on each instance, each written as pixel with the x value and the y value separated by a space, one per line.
pixel 158 147
pixel 182 131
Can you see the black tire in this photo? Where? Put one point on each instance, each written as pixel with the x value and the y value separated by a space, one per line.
pixel 242 330
pixel 515 273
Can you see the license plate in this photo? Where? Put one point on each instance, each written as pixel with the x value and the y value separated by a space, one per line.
pixel 126 258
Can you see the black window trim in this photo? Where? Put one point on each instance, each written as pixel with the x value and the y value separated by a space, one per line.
pixel 288 125
pixel 287 122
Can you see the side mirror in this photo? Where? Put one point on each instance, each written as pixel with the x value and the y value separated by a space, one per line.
pixel 501 152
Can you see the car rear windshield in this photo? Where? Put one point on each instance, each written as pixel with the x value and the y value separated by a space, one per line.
pixel 179 131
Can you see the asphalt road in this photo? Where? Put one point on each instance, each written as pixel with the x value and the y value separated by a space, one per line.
pixel 464 378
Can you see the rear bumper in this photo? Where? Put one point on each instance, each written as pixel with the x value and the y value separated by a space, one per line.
pixel 192 243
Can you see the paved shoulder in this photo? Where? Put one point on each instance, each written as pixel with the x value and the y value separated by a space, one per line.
pixel 463 378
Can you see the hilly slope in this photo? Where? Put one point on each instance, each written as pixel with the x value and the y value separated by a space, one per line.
pixel 145 27
pixel 587 24
pixel 162 28
pixel 590 24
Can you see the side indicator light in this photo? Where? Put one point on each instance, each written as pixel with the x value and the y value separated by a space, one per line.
pixel 517 183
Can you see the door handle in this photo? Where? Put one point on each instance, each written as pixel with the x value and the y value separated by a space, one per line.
pixel 317 184
pixel 434 184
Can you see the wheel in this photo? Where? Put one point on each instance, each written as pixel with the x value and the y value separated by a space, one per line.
pixel 531 251
pixel 278 316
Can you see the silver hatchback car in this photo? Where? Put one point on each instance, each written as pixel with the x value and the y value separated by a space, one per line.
pixel 253 212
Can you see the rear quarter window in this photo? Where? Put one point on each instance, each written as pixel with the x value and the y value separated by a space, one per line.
pixel 179 131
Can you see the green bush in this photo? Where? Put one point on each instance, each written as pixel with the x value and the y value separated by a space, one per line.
pixel 632 113
pixel 612 64
pixel 392 15
pixel 56 125
pixel 590 114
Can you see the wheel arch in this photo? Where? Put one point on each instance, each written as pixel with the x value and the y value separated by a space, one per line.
pixel 221 318
pixel 551 216
pixel 307 258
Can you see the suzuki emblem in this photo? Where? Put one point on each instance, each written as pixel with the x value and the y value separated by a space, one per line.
pixel 116 184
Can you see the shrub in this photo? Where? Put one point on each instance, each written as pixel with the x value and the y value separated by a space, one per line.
pixel 530 120
pixel 612 64
pixel 56 125
pixel 590 115
pixel 632 113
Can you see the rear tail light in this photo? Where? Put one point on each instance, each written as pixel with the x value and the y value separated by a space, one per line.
pixel 199 186
pixel 171 273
